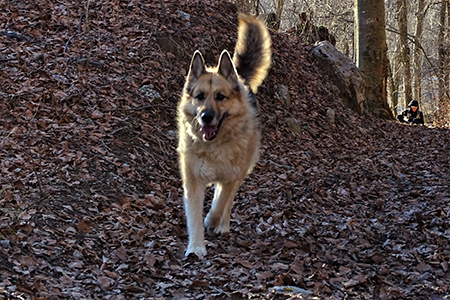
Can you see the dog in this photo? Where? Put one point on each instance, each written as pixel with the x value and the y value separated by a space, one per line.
pixel 219 129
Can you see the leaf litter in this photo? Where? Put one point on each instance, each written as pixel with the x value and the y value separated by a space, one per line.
pixel 90 191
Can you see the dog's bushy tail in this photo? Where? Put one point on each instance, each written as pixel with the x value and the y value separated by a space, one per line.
pixel 252 54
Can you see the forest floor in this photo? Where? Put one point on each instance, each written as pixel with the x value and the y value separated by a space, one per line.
pixel 90 195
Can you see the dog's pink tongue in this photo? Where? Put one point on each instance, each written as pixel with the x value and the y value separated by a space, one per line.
pixel 209 131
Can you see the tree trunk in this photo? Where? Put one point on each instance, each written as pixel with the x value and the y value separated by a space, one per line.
pixel 280 5
pixel 248 7
pixel 273 20
pixel 403 28
pixel 389 90
pixel 417 54
pixel 394 80
pixel 370 36
pixel 447 68
pixel 443 63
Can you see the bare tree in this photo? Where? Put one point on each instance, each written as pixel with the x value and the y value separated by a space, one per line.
pixel 403 28
pixel 280 5
pixel 370 35
pixel 248 6
pixel 394 79
pixel 273 19
pixel 417 53
pixel 413 77
pixel 443 61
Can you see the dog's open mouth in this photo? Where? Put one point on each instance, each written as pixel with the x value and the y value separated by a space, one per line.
pixel 210 131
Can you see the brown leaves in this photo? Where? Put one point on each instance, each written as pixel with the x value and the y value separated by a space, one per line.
pixel 105 282
pixel 90 195
pixel 84 227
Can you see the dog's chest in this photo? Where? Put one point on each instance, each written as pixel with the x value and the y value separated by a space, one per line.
pixel 222 163
pixel 216 170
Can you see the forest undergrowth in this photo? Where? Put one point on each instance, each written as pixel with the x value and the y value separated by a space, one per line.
pixel 90 197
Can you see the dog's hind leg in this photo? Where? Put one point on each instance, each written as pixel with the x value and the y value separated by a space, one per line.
pixel 194 195
pixel 212 219
pixel 218 217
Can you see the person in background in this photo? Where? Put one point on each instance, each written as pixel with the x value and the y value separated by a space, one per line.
pixel 412 115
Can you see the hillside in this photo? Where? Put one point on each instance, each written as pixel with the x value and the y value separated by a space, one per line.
pixel 90 198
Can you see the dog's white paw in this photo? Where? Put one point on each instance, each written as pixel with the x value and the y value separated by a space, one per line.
pixel 222 229
pixel 211 222
pixel 216 224
pixel 199 250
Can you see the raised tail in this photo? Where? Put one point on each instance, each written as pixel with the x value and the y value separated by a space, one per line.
pixel 252 54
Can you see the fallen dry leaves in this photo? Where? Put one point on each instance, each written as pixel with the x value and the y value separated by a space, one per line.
pixel 91 196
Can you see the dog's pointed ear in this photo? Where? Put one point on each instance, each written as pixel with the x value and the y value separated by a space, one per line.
pixel 226 69
pixel 197 67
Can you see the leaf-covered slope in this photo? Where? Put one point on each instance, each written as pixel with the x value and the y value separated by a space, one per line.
pixel 91 196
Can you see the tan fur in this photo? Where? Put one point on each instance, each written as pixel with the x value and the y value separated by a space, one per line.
pixel 262 59
pixel 232 149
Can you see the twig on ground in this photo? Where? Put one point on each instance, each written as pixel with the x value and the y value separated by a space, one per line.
pixel 67 44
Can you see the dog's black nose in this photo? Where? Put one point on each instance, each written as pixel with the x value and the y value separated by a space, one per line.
pixel 207 116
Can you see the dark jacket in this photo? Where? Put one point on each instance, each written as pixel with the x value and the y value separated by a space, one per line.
pixel 410 117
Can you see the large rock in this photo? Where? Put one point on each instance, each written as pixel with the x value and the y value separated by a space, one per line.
pixel 344 73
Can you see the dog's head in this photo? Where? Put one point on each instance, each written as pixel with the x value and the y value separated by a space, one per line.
pixel 212 95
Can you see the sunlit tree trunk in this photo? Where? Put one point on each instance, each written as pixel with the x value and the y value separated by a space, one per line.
pixel 273 20
pixel 394 81
pixel 280 4
pixel 447 70
pixel 370 42
pixel 443 63
pixel 403 28
pixel 248 6
pixel 417 54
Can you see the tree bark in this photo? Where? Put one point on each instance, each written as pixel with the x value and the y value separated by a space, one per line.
pixel 248 6
pixel 443 64
pixel 406 63
pixel 417 54
pixel 371 48
pixel 447 69
pixel 273 20
pixel 280 5
pixel 394 80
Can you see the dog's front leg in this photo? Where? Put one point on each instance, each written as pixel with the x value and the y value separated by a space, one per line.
pixel 218 217
pixel 194 195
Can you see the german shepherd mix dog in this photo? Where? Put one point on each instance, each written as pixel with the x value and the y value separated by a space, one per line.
pixel 219 130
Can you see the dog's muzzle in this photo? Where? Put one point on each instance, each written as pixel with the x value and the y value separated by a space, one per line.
pixel 208 129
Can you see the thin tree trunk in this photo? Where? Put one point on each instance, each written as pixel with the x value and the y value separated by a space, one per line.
pixel 248 6
pixel 403 28
pixel 447 56
pixel 394 80
pixel 280 5
pixel 390 88
pixel 417 54
pixel 273 20
pixel 443 61
pixel 371 48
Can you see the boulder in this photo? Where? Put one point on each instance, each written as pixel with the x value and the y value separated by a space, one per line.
pixel 344 73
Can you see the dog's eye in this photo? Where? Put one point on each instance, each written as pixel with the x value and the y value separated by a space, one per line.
pixel 220 97
pixel 200 96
